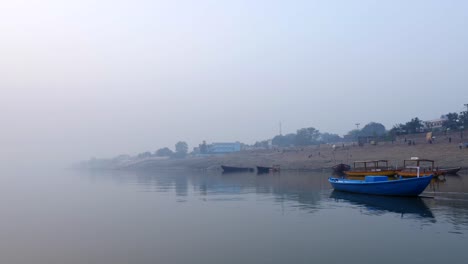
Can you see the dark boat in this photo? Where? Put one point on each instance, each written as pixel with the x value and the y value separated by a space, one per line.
pixel 340 168
pixel 228 169
pixel 451 171
pixel 262 170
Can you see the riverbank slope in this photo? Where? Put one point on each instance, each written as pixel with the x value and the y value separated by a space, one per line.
pixel 317 157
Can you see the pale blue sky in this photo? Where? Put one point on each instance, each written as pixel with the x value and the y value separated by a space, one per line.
pixel 98 78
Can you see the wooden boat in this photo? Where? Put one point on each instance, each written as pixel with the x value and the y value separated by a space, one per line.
pixel 261 170
pixel 426 168
pixel 340 168
pixel 228 169
pixel 371 167
pixel 381 185
pixel 451 171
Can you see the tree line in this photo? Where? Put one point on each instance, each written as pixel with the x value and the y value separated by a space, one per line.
pixel 181 151
pixel 312 136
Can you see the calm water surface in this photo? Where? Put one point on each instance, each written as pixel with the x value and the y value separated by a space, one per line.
pixel 126 217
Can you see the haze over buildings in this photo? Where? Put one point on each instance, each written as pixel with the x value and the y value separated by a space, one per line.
pixel 99 78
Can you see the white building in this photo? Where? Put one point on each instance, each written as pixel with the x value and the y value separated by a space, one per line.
pixel 435 123
pixel 225 147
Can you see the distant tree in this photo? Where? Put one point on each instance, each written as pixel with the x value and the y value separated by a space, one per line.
pixel 452 121
pixel 463 119
pixel 284 141
pixel 244 146
pixel 143 155
pixel 164 152
pixel 414 125
pixel 373 129
pixel 307 136
pixel 262 144
pixel 203 147
pixel 120 158
pixel 330 138
pixel 397 129
pixel 181 149
pixel 354 134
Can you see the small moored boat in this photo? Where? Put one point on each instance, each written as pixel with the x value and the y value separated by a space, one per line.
pixel 228 169
pixel 451 171
pixel 261 170
pixel 381 185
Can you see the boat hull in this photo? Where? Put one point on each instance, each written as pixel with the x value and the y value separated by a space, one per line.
pixel 228 169
pixel 451 171
pixel 261 170
pixel 399 187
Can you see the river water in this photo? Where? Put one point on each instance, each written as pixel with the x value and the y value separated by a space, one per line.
pixel 87 217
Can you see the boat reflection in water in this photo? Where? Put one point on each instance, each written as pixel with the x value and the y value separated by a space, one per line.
pixel 378 205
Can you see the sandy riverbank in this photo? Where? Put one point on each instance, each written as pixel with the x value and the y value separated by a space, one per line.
pixel 319 157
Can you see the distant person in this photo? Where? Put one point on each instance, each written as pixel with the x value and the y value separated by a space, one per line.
pixel 450 139
pixel 460 146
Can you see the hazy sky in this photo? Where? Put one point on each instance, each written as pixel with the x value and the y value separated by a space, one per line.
pixel 100 78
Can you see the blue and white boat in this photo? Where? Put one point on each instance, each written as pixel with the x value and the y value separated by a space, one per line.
pixel 382 185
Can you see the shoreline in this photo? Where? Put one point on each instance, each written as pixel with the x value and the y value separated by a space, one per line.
pixel 314 158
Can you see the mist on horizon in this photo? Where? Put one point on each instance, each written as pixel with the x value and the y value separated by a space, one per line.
pixel 85 79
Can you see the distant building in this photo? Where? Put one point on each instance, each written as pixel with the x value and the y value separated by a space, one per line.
pixel 435 123
pixel 219 148
pixel 225 147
